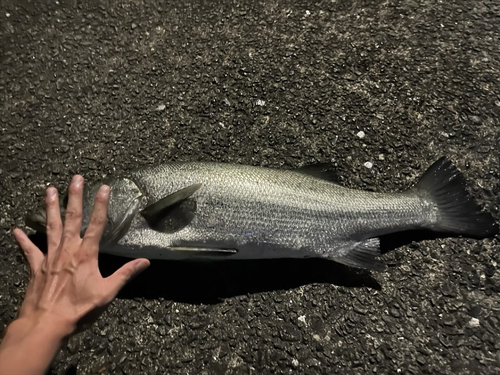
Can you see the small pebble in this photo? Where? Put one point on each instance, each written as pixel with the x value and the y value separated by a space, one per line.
pixel 161 107
pixel 474 323
pixel 368 165
pixel 360 134
pixel 475 311
pixel 394 312
pixel 260 102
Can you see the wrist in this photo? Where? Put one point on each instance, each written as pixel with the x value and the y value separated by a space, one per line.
pixel 50 327
pixel 30 344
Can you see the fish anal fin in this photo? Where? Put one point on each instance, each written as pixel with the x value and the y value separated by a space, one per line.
pixel 363 255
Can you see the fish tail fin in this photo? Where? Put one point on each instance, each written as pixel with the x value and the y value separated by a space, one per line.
pixel 457 210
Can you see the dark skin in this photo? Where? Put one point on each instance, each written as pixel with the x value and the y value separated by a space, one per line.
pixel 66 291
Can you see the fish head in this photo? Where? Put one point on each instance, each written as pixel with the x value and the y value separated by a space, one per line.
pixel 125 198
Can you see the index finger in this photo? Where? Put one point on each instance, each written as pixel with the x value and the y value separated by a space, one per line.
pixel 97 222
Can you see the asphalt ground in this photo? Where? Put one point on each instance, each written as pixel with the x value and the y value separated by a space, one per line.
pixel 105 88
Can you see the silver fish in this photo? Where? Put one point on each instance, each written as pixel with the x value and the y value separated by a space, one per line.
pixel 222 211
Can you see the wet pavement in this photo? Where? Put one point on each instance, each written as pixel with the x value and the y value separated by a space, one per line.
pixel 380 90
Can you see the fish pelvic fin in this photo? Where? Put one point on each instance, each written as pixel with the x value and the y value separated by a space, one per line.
pixel 364 255
pixel 203 252
pixel 458 212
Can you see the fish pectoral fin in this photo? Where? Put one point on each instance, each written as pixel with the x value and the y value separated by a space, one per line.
pixel 364 255
pixel 173 212
pixel 176 217
pixel 324 171
pixel 205 251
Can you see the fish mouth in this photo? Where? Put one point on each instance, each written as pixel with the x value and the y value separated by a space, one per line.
pixel 37 221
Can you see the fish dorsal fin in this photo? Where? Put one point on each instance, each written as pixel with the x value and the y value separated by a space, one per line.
pixel 173 212
pixel 324 171
pixel 364 255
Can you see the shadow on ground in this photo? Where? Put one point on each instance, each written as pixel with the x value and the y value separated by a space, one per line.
pixel 393 241
pixel 208 282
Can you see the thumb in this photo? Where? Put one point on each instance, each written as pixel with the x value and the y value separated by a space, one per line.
pixel 32 253
pixel 125 273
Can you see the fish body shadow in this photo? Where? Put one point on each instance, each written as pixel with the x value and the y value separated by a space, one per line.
pixel 208 282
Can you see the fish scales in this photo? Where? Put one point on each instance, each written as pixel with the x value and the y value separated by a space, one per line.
pixel 284 208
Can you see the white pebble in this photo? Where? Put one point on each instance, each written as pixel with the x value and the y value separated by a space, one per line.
pixel 361 134
pixel 260 102
pixel 161 107
pixel 474 322
pixel 302 318
pixel 444 134
pixel 7 15
pixel 368 165
pixel 295 362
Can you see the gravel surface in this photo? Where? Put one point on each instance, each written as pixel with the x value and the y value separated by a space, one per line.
pixel 379 90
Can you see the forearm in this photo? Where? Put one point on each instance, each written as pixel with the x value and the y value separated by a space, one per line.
pixel 30 346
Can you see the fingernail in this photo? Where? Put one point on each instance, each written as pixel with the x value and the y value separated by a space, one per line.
pixel 104 189
pixel 51 192
pixel 77 180
pixel 142 265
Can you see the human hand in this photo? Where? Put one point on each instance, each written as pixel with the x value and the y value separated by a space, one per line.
pixel 66 291
pixel 66 288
